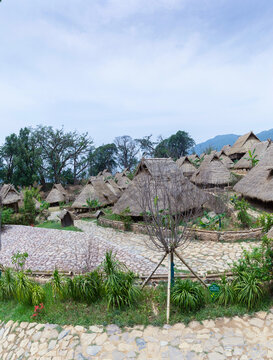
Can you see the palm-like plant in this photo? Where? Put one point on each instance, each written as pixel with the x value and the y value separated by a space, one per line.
pixel 7 284
pixel 24 286
pixel 37 294
pixel 85 287
pixel 119 283
pixel 248 290
pixel 58 285
pixel 188 295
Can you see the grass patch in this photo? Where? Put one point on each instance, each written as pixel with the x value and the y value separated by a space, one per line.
pixel 57 226
pixel 77 313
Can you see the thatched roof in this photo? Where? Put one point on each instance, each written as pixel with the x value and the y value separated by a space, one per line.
pixel 258 183
pixel 243 144
pixel 185 164
pixel 212 172
pixel 225 149
pixel 193 157
pixel 260 149
pixel 225 159
pixel 122 180
pixel 105 174
pixel 57 194
pixel 159 174
pixel 9 195
pixel 97 189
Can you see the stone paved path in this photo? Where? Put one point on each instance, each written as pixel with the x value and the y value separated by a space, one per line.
pixel 77 251
pixel 66 250
pixel 203 256
pixel 236 339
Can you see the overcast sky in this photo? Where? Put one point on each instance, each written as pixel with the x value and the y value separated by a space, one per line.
pixel 136 67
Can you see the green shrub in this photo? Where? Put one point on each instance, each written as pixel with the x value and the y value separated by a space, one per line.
pixel 248 290
pixel 7 284
pixel 87 287
pixel 6 216
pixel 37 294
pixel 188 295
pixel 226 295
pixel 24 286
pixel 19 259
pixel 242 206
pixel 29 210
pixel 266 221
pixel 119 284
pixel 59 286
pixel 258 261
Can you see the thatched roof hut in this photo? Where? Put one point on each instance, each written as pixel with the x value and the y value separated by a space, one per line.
pixel 122 179
pixel 66 217
pixel 97 189
pixel 159 174
pixel 258 183
pixel 212 172
pixel 259 148
pixel 10 197
pixel 225 159
pixel 242 145
pixel 56 195
pixel 186 165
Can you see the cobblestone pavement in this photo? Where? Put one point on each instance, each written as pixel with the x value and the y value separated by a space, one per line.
pixel 237 339
pixel 66 250
pixel 202 256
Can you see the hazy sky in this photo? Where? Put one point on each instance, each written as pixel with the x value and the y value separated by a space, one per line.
pixel 136 67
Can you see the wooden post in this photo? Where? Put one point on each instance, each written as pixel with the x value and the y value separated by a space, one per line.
pixel 152 273
pixel 169 287
pixel 193 272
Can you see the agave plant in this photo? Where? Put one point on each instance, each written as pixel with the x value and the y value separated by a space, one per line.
pixel 188 295
pixel 248 290
pixel 226 295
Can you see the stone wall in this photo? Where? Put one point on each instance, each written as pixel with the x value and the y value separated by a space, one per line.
pixel 199 234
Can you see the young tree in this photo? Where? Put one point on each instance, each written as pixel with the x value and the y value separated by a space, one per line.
pixel 80 150
pixel 168 202
pixel 127 150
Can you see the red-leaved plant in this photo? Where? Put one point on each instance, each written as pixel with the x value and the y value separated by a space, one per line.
pixel 37 310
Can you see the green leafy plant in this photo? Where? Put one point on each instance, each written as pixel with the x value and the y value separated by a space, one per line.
pixel 248 290
pixel 7 284
pixel 58 283
pixel 266 221
pixel 18 260
pixel 93 204
pixel 24 287
pixel 226 295
pixel 188 295
pixel 87 287
pixel 242 206
pixel 44 206
pixel 119 284
pixel 6 216
pixel 252 157
pixel 126 218
pixel 37 294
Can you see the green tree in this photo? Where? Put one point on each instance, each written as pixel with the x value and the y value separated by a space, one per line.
pixel 147 146
pixel 103 157
pixel 175 146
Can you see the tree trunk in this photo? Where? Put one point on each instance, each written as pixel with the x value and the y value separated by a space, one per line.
pixel 169 288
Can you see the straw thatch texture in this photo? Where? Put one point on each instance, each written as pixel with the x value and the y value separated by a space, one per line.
pixel 56 195
pixel 212 172
pixel 97 189
pixel 260 149
pixel 242 145
pixel 122 180
pixel 10 196
pixel 270 233
pixel 186 166
pixel 225 159
pixel 159 174
pixel 258 183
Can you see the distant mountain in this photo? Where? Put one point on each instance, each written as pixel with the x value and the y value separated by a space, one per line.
pixel 220 140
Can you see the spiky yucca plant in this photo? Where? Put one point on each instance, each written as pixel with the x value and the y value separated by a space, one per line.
pixel 23 288
pixel 58 284
pixel 37 294
pixel 7 284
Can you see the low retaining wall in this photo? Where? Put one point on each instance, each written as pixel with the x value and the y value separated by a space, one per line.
pixel 199 234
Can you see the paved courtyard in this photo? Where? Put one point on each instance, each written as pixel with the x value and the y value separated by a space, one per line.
pixel 77 251
pixel 235 339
